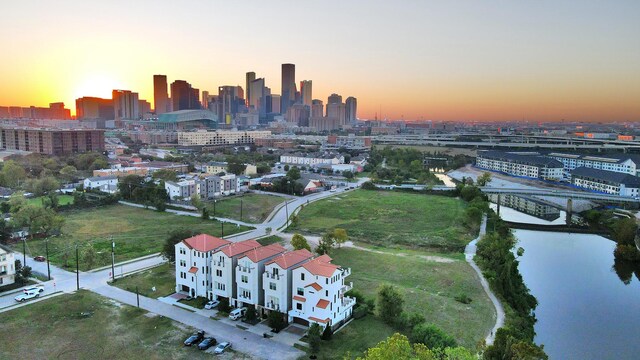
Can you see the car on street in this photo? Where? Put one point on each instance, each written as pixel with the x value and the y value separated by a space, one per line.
pixel 211 304
pixel 40 258
pixel 27 296
pixel 222 347
pixel 207 343
pixel 194 339
pixel 37 288
pixel 236 314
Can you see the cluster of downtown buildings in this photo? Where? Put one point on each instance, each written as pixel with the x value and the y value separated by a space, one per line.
pixel 307 289
pixel 615 174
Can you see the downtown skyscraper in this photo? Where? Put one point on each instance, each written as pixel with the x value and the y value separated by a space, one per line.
pixel 288 96
pixel 305 92
pixel 183 96
pixel 160 94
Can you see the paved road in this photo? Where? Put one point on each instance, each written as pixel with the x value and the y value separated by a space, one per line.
pixel 470 252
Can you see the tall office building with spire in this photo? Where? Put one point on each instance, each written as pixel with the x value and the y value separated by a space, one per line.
pixel 160 94
pixel 288 96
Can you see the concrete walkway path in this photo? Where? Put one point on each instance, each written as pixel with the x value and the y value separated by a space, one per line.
pixel 470 252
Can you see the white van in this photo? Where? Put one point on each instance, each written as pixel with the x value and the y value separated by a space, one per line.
pixel 236 314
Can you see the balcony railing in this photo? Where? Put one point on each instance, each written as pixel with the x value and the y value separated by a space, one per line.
pixel 346 272
pixel 272 306
pixel 272 276
pixel 244 269
pixel 346 287
pixel 348 301
pixel 217 263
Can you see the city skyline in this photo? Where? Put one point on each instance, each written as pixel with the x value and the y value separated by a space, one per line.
pixel 544 61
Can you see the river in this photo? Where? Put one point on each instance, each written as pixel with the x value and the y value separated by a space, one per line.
pixel 588 309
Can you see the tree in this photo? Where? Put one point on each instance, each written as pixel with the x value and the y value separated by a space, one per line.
pixel 12 174
pixel 348 174
pixel 89 256
pixel 397 347
pixel 327 333
pixel 299 242
pixel 197 202
pixel 624 231
pixel 340 236
pixel 293 173
pixel 286 168
pixel 235 166
pixel 276 320
pixel 129 183
pixel 314 336
pixel 205 213
pixel 483 179
pixel 432 336
pixel 175 236
pixel 325 244
pixel 68 173
pixel 390 303
pixel 5 231
pixel 99 163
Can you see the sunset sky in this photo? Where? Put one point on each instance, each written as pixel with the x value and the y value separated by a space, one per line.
pixel 439 60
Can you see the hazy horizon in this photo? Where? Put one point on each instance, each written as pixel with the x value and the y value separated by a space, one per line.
pixel 442 61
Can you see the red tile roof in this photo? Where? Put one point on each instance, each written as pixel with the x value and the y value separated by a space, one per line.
pixel 205 242
pixel 263 252
pixel 321 266
pixel 299 298
pixel 240 247
pixel 193 270
pixel 291 258
pixel 315 286
pixel 322 303
pixel 319 320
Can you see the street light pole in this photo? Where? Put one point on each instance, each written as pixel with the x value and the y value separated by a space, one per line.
pixel 222 225
pixel 286 207
pixel 24 252
pixel 77 270
pixel 240 209
pixel 46 244
pixel 113 259
pixel 214 206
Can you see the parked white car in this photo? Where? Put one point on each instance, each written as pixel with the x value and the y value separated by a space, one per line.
pixel 222 347
pixel 211 304
pixel 27 296
pixel 38 288
pixel 236 314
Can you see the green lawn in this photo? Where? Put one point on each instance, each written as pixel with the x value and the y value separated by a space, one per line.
pixel 255 207
pixel 429 287
pixel 162 277
pixel 391 218
pixel 55 329
pixel 63 199
pixel 136 232
pixel 273 239
pixel 355 338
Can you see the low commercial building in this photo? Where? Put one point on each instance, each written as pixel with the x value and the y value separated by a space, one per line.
pixel 52 141
pixel 608 182
pixel 530 166
pixel 7 266
pixel 108 184
pixel 311 160
pixel 350 142
pixel 319 294
pixel 220 137
pixel 193 261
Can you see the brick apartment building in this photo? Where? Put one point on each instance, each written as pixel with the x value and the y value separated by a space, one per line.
pixel 52 141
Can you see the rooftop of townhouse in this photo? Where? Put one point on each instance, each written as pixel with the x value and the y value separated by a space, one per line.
pixel 291 258
pixel 321 266
pixel 264 252
pixel 235 249
pixel 205 242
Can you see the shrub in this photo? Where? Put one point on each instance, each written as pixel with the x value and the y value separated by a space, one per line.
pixel 463 298
pixel 432 336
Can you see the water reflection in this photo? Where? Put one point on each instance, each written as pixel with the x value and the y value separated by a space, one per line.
pixel 625 270
pixel 527 210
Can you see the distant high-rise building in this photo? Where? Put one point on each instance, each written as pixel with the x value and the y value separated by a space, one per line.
pixel 144 107
pixel 317 108
pixel 273 103
pixel 228 101
pixel 250 77
pixel 93 108
pixel 298 114
pixel 351 105
pixel 125 105
pixel 337 112
pixel 160 94
pixel 334 99
pixel 305 92
pixel 205 99
pixel 183 96
pixel 257 91
pixel 288 87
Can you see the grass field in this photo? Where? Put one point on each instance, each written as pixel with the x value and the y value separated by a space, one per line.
pixel 55 329
pixel 429 288
pixel 162 277
pixel 62 200
pixel 136 232
pixel 255 207
pixel 391 218
pixel 273 239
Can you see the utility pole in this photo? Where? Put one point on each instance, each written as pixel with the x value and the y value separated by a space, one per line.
pixel 286 208
pixel 137 296
pixel 222 225
pixel 113 259
pixel 77 270
pixel 214 206
pixel 46 244
pixel 240 209
pixel 24 252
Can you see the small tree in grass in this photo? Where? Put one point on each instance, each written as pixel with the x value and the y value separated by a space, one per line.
pixel 299 242
pixel 205 213
pixel 327 333
pixel 390 303
pixel 314 336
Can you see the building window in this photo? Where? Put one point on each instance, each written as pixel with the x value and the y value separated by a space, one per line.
pixel 244 279
pixel 301 291
pixel 302 276
pixel 299 306
pixel 272 285
pixel 219 272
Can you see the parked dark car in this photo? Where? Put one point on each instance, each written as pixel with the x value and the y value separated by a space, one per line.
pixel 40 258
pixel 207 343
pixel 194 339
